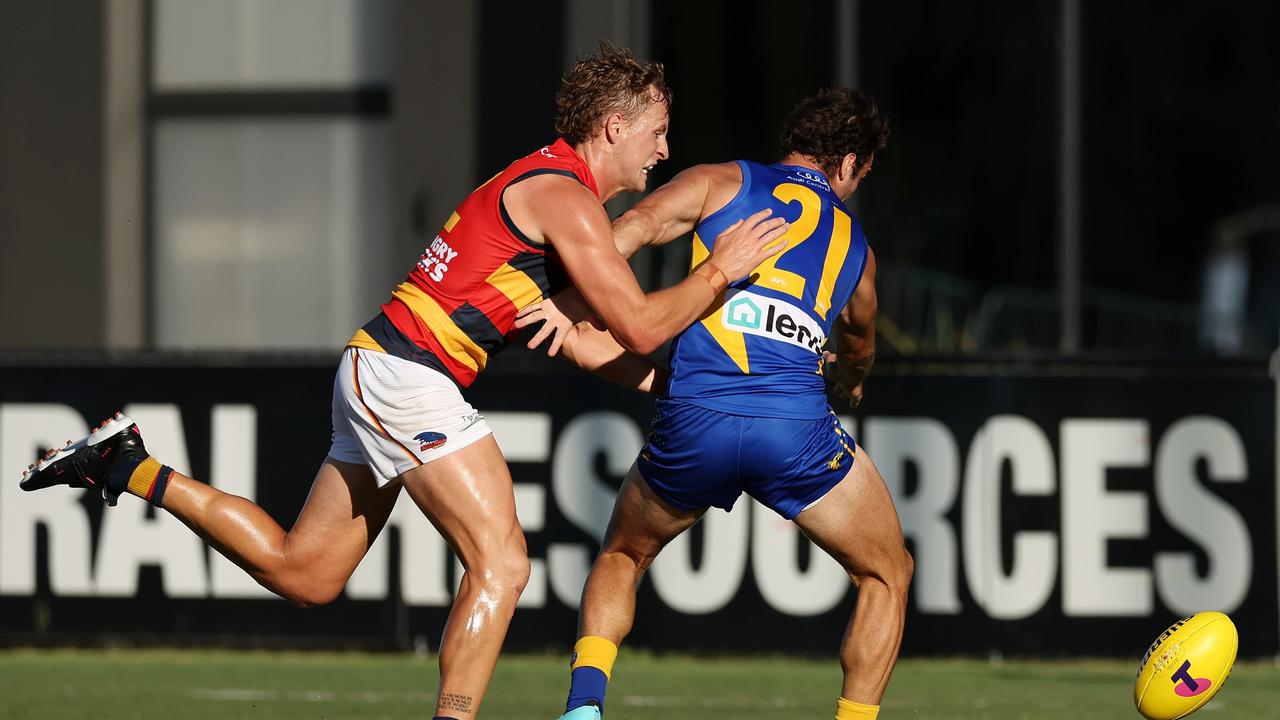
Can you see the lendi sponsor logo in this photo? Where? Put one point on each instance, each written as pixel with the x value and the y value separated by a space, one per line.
pixel 746 312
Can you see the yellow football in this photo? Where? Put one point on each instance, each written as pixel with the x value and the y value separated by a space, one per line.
pixel 1186 666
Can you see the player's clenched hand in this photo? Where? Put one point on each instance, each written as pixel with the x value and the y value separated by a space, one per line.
pixel 829 374
pixel 745 244
pixel 558 314
pixel 854 396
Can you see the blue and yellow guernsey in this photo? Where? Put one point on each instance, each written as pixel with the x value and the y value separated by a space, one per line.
pixel 757 351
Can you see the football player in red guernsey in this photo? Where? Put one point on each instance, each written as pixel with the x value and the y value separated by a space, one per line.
pixel 399 417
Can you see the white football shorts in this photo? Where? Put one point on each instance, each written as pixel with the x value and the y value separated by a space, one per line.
pixel 394 415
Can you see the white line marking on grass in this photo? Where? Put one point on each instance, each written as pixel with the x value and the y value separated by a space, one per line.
pixel 653 701
pixel 248 695
pixel 241 695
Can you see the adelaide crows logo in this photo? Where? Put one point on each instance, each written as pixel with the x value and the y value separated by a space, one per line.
pixel 431 440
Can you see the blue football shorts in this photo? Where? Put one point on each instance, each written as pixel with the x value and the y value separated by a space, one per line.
pixel 696 458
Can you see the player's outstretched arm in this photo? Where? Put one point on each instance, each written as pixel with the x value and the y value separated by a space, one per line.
pixel 570 217
pixel 675 208
pixel 855 333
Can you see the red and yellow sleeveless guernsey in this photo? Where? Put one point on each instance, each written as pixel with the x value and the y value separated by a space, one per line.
pixel 459 304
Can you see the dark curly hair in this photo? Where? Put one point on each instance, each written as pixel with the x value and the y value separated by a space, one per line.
pixel 608 81
pixel 832 124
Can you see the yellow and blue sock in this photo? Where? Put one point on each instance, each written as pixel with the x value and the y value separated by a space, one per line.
pixel 591 668
pixel 144 477
pixel 850 710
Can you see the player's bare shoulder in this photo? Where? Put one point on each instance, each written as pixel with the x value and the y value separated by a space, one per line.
pixel 548 206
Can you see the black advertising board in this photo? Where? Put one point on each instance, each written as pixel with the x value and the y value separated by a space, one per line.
pixel 1052 510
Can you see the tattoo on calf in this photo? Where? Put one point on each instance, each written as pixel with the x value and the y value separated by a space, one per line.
pixel 450 701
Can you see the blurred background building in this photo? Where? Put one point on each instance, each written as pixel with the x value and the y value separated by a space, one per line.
pixel 181 175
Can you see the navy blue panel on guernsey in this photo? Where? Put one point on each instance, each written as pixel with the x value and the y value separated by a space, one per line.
pixel 543 269
pixel 696 457
pixel 478 327
pixel 394 342
pixel 758 353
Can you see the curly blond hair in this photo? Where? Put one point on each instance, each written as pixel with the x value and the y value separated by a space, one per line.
pixel 608 81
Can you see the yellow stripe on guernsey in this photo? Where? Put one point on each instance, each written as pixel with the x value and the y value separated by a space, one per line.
pixel 519 288
pixel 453 220
pixel 364 341
pixel 837 251
pixel 734 345
pixel 455 342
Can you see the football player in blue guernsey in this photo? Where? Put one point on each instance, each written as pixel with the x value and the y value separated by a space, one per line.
pixel 745 408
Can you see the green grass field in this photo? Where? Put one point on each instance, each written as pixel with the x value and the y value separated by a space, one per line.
pixel 186 685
